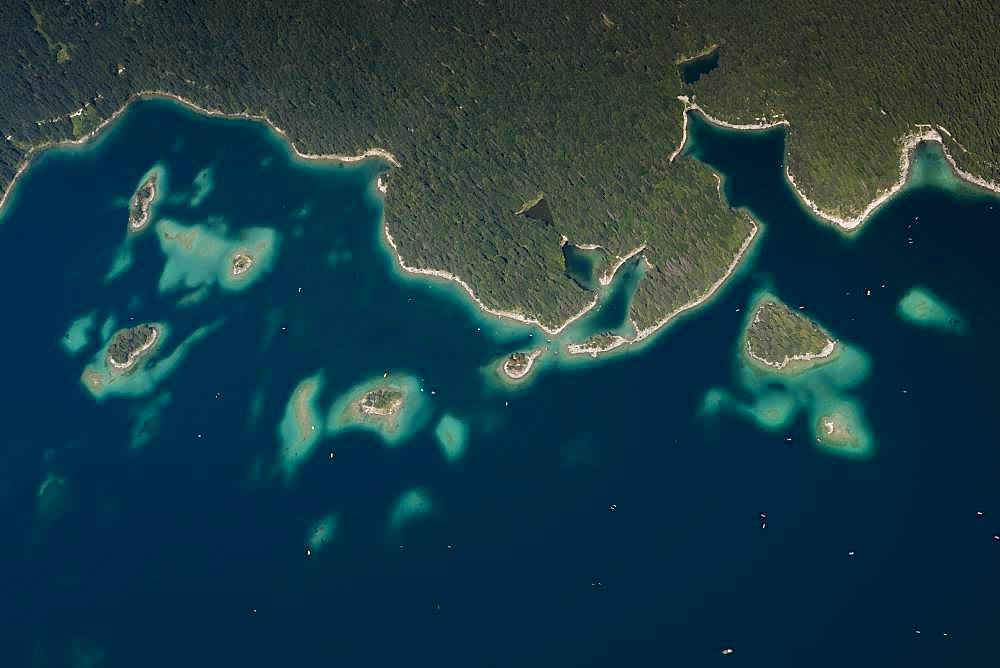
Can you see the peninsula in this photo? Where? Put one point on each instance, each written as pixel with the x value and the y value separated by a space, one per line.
pixel 783 340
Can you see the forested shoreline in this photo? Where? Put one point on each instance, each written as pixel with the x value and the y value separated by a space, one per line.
pixel 488 104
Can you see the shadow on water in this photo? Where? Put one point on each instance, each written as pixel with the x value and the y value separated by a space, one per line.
pixel 583 265
pixel 594 519
pixel 695 68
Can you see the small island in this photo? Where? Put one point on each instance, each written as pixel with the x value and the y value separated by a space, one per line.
pixel 835 430
pixel 141 205
pixel 840 427
pixel 129 345
pixel 119 366
pixel 518 365
pixel 597 344
pixel 781 339
pixel 240 263
pixel 390 406
pixel 382 402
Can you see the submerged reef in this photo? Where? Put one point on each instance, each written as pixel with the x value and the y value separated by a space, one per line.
pixel 452 436
pixel 925 309
pixel 301 426
pixel 322 532
pixel 411 505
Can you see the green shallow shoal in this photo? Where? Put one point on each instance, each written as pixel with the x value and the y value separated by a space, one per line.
pixel 923 308
pixel 301 426
pixel 409 506
pixel 200 255
pixel 452 436
pixel 322 532
pixel 78 334
pixel 840 427
pixel 202 187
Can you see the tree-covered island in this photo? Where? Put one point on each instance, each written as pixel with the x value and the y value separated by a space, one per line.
pixel 518 365
pixel 382 402
pixel 393 406
pixel 131 344
pixel 785 340
pixel 378 408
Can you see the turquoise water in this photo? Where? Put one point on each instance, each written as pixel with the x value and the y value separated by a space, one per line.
pixel 595 515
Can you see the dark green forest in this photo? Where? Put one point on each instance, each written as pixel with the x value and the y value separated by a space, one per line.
pixel 852 79
pixel 487 104
pixel 776 333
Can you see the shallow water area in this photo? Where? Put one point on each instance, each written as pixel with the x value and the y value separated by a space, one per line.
pixel 322 532
pixel 453 436
pixel 77 336
pixel 775 397
pixel 302 425
pixel 409 507
pixel 924 309
pixel 582 502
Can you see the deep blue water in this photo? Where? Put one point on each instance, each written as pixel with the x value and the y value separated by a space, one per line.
pixel 596 520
